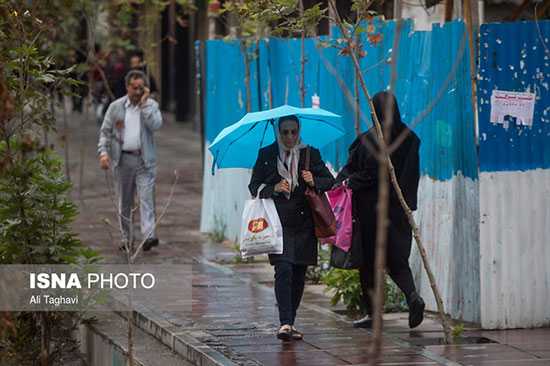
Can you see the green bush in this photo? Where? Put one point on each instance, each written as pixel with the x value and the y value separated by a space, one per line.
pixel 35 212
pixel 394 300
pixel 347 288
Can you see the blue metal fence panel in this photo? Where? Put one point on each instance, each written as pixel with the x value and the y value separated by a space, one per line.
pixel 514 180
pixel 285 60
pixel 264 76
pixel 514 58
pixel 447 132
pixel 424 62
pixel 225 87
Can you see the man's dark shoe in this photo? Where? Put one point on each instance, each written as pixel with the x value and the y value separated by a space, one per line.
pixel 149 243
pixel 365 322
pixel 416 309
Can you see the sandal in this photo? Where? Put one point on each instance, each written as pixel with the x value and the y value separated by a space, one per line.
pixel 285 333
pixel 296 334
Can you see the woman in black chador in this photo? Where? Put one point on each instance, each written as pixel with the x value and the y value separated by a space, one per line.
pixel 360 174
pixel 279 173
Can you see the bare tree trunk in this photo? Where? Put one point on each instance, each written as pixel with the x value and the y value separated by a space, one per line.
pixel 382 223
pixel 303 61
pixel 246 75
pixel 357 108
pixel 83 145
pixel 383 212
pixel 356 87
pixel 449 10
pixel 45 338
pixel 286 91
pixel 66 141
pixel 269 86
pixel 470 25
pixel 90 49
pixel 130 315
pixel 397 9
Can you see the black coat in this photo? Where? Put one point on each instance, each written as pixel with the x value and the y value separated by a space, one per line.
pixel 362 171
pixel 299 241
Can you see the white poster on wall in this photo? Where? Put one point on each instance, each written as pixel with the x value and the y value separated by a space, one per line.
pixel 513 104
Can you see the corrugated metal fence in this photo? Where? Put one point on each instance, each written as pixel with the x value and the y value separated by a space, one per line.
pixel 514 180
pixel 433 88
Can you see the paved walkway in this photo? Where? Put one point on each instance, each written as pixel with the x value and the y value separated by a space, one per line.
pixel 233 316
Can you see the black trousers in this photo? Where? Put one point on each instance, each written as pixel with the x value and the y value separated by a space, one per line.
pixel 402 277
pixel 398 250
pixel 290 280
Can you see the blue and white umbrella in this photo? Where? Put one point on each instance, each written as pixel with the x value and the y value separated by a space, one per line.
pixel 237 146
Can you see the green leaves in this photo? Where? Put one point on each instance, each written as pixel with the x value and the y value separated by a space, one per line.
pixel 458 332
pixel 35 212
pixel 347 288
pixel 91 256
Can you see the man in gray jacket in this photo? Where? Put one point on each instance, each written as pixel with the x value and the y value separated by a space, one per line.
pixel 127 146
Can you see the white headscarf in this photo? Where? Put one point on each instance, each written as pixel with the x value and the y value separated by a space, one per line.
pixel 289 156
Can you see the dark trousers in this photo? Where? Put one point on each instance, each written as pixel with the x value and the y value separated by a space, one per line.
pixel 402 277
pixel 290 280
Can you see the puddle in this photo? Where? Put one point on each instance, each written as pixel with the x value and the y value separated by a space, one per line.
pixel 441 341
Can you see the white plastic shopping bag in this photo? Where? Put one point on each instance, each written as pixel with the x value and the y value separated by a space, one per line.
pixel 261 230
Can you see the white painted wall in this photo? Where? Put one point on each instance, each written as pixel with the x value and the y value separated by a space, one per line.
pixel 448 219
pixel 223 197
pixel 515 249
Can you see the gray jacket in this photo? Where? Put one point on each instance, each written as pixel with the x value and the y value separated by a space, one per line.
pixel 112 130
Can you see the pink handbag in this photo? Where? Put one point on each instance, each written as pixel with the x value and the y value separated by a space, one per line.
pixel 340 201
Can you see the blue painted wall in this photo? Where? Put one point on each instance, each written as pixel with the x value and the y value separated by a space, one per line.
pixel 225 87
pixel 424 61
pixel 513 58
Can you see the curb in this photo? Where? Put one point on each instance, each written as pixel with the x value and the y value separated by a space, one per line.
pixel 105 343
pixel 169 333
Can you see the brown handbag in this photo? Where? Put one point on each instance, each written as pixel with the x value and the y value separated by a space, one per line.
pixel 323 217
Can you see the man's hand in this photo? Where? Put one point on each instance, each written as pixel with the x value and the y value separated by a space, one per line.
pixel 145 95
pixel 105 161
pixel 282 186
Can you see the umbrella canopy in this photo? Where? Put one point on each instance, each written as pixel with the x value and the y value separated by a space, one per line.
pixel 237 146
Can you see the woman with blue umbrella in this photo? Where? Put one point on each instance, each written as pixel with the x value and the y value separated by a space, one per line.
pixel 279 173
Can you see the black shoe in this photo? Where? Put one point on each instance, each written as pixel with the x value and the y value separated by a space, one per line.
pixel 149 243
pixel 285 334
pixel 365 322
pixel 416 309
pixel 296 335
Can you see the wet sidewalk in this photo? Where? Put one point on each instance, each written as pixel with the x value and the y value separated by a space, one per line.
pixel 233 315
